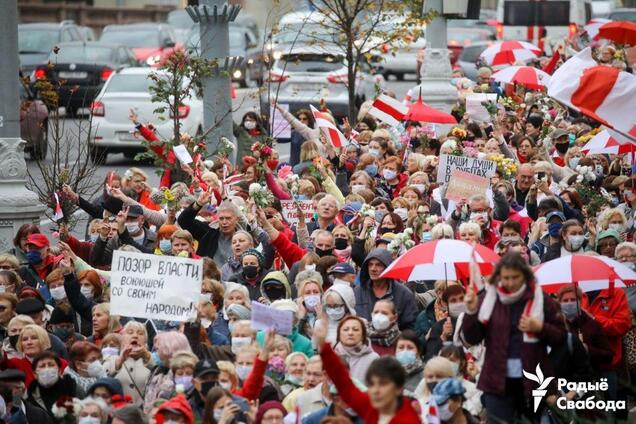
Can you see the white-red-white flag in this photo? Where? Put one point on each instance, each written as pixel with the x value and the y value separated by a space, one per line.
pixel 57 212
pixel 388 110
pixel 601 92
pixel 333 134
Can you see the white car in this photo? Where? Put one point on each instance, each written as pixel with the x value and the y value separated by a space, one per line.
pixel 112 131
pixel 403 59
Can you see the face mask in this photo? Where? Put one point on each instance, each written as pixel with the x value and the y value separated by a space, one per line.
pixel 207 386
pixel 218 413
pixel 379 215
pixel 110 351
pixel 445 413
pixel 510 298
pixel 598 170
pixel 185 381
pixel 132 227
pixel 249 125
pixel 2 289
pixel 374 152
pixel 95 369
pixel 350 412
pixel 34 257
pixel 336 314
pixel 312 301
pixel 239 342
pixel 420 187
pixel 156 359
pixel 431 386
pixel 47 377
pixel 630 265
pixel 570 310
pixel 321 252
pixel 576 242
pixel 275 292
pixel 205 323
pixel 618 227
pixel 372 170
pixel 571 138
pixel 454 309
pixel 380 322
pixel 243 371
pixel 384 230
pixel 165 246
pixel 475 216
pixel 508 239
pixel 455 367
pixel 356 188
pixel 87 292
pixel 389 174
pixel 94 237
pixel 89 420
pixel 562 147
pixel 13 340
pixel 250 271
pixel 426 236
pixel 627 194
pixel 573 162
pixel 341 243
pixel 302 197
pixel 406 357
pixel 226 385
pixel 62 333
pixel 554 228
pixel 615 201
pixel 58 293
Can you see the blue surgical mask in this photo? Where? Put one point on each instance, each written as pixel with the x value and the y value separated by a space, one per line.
pixel 554 229
pixel 94 237
pixel 302 197
pixel 406 357
pixel 571 138
pixel 379 214
pixel 156 359
pixel 34 257
pixel 372 170
pixel 185 381
pixel 426 236
pixel 570 310
pixel 165 246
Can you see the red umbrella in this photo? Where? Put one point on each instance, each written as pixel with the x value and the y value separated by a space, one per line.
pixel 621 32
pixel 421 112
pixel 441 259
pixel 523 75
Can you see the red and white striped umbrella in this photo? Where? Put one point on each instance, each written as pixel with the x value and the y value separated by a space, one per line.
pixel 609 142
pixel 441 259
pixel 593 26
pixel 523 75
pixel 509 52
pixel 588 272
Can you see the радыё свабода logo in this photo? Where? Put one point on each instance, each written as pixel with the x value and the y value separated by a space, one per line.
pixel 540 391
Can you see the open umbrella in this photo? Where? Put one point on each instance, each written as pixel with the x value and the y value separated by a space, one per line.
pixel 588 272
pixel 421 112
pixel 509 52
pixel 620 32
pixel 444 259
pixel 523 75
pixel 593 26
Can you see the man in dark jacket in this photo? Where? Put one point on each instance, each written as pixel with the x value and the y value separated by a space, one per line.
pixel 373 288
pixel 21 411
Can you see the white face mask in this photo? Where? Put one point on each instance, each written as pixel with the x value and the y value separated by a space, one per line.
pixel 132 227
pixel 205 323
pixel 618 227
pixel 249 125
pixel 310 267
pixel 389 174
pixel 312 301
pixel 341 281
pixel 455 367
pixel 2 289
pixel 445 413
pixel 58 293
pixel 239 342
pixel 226 385
pixel 576 242
pixel 420 187
pixel 475 216
pixel 380 322
pixel 47 377
pixel 335 314
pixel 355 188
pixel 87 292
pixel 95 369
pixel 89 420
pixel 454 309
pixel 243 371
pixel 110 351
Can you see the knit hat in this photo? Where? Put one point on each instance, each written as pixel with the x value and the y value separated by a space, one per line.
pixel 239 310
pixel 59 316
pixel 254 252
pixel 285 305
pixel 271 404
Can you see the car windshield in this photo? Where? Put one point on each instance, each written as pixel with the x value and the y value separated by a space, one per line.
pixel 36 40
pixel 310 63
pixel 303 34
pixel 122 83
pixel 83 54
pixel 627 15
pixel 133 38
pixel 180 19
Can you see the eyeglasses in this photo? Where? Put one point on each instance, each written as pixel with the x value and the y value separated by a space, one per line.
pixel 625 258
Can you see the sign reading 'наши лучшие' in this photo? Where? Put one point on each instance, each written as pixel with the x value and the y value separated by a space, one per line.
pixel 480 167
pixel 155 287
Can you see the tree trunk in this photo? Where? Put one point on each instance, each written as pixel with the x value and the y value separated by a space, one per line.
pixel 351 81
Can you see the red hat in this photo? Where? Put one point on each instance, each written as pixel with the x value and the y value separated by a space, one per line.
pixel 38 240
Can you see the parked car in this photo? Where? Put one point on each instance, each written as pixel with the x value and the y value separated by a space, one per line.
pixel 152 43
pixel 307 75
pixel 35 42
pixel 34 123
pixel 182 24
pixel 468 58
pixel 88 33
pixel 401 60
pixel 242 43
pixel 623 14
pixel 112 132
pixel 85 67
pixel 460 37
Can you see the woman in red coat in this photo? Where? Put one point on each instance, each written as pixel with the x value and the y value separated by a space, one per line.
pixel 383 402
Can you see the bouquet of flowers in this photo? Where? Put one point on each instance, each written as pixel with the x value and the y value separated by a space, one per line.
pixel 367 211
pixel 167 197
pixel 509 103
pixel 292 181
pixel 459 133
pixel 586 174
pixel 262 150
pixel 491 108
pixel 65 409
pixel 276 369
pixel 225 147
pixel 262 197
pixel 469 149
pixel 402 242
pixel 507 167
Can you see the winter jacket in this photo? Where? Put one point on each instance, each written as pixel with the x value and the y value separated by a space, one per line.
pixel 254 288
pixel 299 342
pixel 611 311
pixel 80 304
pixel 207 236
pixel 160 381
pixel 245 139
pixel 402 296
pixel 253 384
pixel 425 320
pixel 434 342
pixel 133 375
pixel 598 347
pixel 496 335
pixel 358 400
pixel 45 397
pixel 288 250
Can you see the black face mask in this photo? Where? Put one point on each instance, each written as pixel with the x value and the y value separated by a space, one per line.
pixel 431 386
pixel 562 147
pixel 341 243
pixel 13 340
pixel 206 387
pixel 321 253
pixel 63 333
pixel 384 230
pixel 250 271
pixel 275 292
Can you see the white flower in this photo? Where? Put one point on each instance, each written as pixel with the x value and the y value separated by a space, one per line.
pixel 255 188
pixel 367 211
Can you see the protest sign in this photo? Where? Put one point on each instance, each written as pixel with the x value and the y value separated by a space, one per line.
pixel 448 163
pixel 265 317
pixel 155 287
pixel 281 128
pixel 474 107
pixel 290 213
pixel 182 154
pixel 463 185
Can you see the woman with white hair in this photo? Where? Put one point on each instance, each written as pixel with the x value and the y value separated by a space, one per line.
pixel 93 411
pixel 470 232
pixel 442 231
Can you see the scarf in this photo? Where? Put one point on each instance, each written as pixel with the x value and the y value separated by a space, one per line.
pixel 415 367
pixel 343 255
pixel 533 307
pixel 385 338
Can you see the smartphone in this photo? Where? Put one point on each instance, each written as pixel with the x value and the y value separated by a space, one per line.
pixel 541 176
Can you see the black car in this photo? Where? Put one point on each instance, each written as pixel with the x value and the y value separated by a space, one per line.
pixel 84 67
pixel 35 42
